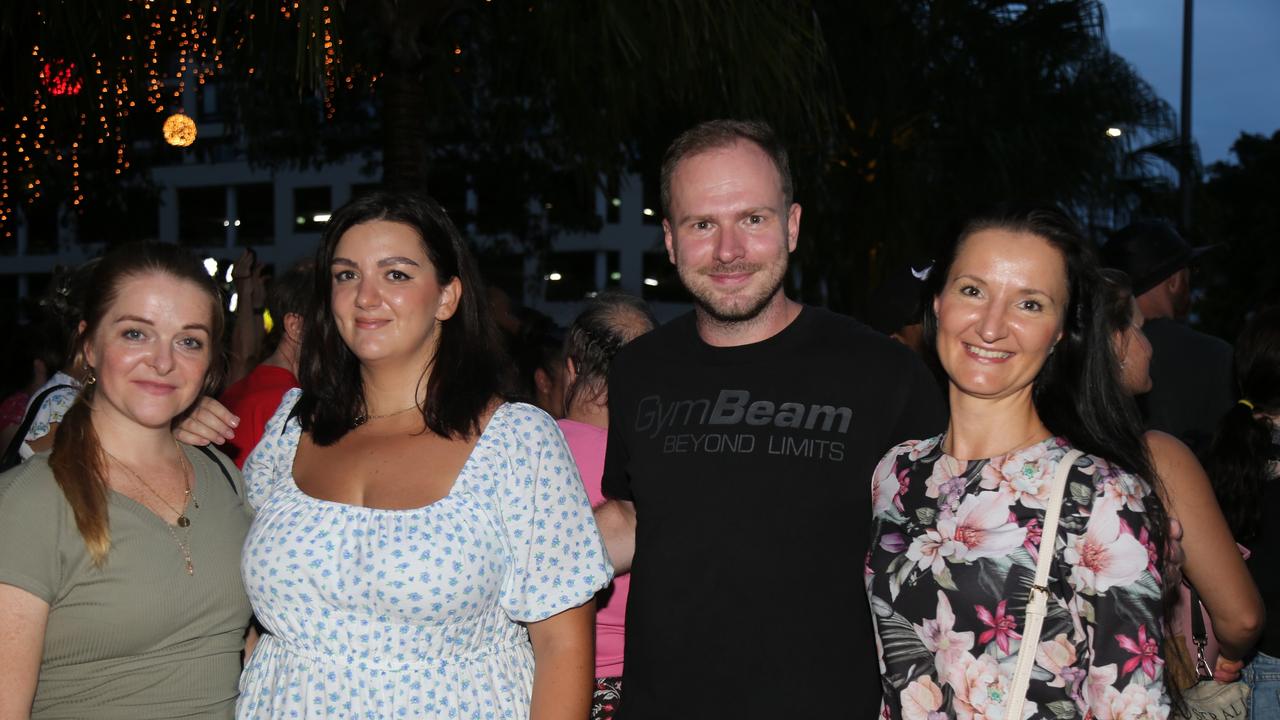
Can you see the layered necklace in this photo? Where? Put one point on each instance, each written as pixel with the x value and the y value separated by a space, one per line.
pixel 184 522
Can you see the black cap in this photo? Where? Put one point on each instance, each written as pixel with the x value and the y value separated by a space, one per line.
pixel 1148 251
pixel 896 302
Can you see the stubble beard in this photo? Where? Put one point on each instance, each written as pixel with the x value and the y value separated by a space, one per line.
pixel 736 309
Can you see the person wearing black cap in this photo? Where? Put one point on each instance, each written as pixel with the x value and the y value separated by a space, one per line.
pixel 1190 371
pixel 895 308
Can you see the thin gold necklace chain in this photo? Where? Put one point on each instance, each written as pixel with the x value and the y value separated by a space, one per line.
pixel 183 520
pixel 362 419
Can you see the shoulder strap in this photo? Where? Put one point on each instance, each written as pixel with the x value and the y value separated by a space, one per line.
pixel 225 473
pixel 1199 634
pixel 11 452
pixel 1038 599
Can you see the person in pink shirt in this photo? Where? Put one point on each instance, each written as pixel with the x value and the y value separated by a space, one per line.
pixel 609 321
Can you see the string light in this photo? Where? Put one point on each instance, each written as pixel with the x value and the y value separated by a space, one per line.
pixel 164 48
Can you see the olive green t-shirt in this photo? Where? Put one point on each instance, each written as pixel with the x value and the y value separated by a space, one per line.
pixel 139 637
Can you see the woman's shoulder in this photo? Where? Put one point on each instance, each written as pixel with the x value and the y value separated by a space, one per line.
pixel 912 451
pixel 29 487
pixel 522 422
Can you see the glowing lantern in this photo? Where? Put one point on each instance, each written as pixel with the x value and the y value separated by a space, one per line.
pixel 179 130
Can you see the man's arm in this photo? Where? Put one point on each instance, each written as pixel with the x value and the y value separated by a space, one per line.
pixel 617 522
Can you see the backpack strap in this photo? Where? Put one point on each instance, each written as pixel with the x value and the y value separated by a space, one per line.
pixel 225 473
pixel 12 455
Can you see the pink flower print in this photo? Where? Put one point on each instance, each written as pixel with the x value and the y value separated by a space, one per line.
pixel 1032 543
pixel 893 543
pixel 1000 627
pixel 1024 477
pixel 904 484
pixel 885 484
pixel 979 528
pixel 921 700
pixel 1144 537
pixel 941 639
pixel 981 689
pixel 1105 555
pixel 1137 702
pixel 1058 656
pixel 1125 489
pixel 1145 651
pixel 917 449
pixel 946 481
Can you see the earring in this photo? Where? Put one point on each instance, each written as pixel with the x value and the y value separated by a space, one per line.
pixel 89 377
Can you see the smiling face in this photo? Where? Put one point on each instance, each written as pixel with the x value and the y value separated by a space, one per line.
pixel 151 350
pixel 387 302
pixel 730 230
pixel 1000 312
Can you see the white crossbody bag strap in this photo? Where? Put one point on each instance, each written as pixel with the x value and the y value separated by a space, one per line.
pixel 1038 599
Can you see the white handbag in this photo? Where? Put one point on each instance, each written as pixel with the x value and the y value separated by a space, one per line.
pixel 1038 599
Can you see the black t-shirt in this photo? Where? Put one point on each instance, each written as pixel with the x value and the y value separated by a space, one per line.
pixel 1191 387
pixel 750 469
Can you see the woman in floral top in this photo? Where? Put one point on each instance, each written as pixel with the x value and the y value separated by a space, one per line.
pixel 957 518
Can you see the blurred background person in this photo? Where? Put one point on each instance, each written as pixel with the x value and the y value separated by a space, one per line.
pixel 1244 462
pixel 35 354
pixel 609 321
pixel 254 398
pixel 895 306
pixel 1213 565
pixel 50 402
pixel 1190 371
pixel 120 591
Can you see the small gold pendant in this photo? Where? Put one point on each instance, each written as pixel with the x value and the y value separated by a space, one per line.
pixel 191 569
pixel 183 521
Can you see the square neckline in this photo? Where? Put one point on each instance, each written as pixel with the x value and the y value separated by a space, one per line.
pixel 453 487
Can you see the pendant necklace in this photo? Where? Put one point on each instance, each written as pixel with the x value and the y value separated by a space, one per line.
pixel 184 522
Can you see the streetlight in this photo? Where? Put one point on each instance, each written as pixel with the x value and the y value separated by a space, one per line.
pixel 1114 132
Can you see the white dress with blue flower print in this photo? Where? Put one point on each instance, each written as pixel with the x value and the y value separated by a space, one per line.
pixel 414 613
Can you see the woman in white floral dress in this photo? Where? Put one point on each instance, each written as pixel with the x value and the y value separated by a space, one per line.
pixel 957 517
pixel 420 549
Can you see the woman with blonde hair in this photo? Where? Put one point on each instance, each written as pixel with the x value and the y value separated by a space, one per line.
pixel 120 593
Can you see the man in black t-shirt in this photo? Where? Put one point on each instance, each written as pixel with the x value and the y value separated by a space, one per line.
pixel 742 439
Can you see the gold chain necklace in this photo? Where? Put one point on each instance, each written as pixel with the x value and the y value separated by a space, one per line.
pixel 183 521
pixel 359 420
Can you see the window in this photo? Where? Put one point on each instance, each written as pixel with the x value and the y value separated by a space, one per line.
pixel 651 213
pixel 569 276
pixel 255 213
pixel 202 216
pixel 661 283
pixel 311 208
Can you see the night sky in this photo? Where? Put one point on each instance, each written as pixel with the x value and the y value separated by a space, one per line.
pixel 1236 58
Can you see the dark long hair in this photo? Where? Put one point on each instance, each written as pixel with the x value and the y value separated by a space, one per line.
pixel 463 377
pixel 609 321
pixel 1077 393
pixel 77 461
pixel 1239 457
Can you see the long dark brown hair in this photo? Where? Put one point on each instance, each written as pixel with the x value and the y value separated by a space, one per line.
pixel 1239 460
pixel 1077 393
pixel 464 376
pixel 77 461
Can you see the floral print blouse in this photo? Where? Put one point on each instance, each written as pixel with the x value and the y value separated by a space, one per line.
pixel 952 559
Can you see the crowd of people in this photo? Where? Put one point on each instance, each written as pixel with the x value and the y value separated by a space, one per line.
pixel 1027 490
